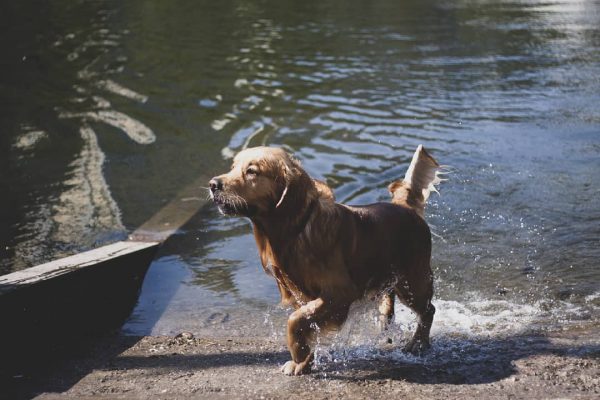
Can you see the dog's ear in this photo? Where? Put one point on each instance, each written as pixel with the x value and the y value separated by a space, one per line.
pixel 295 178
pixel 282 196
pixel 286 173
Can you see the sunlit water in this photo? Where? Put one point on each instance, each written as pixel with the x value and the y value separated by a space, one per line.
pixel 108 109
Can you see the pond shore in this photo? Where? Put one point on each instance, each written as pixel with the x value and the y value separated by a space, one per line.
pixel 556 365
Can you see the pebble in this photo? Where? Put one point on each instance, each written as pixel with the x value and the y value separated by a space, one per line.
pixel 185 335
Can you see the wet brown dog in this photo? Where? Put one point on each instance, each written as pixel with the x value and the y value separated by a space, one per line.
pixel 326 255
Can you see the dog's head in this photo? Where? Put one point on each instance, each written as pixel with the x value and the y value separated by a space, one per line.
pixel 260 181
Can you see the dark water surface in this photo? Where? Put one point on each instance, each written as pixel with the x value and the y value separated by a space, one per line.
pixel 110 108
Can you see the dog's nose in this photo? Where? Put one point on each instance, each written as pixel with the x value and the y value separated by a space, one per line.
pixel 215 184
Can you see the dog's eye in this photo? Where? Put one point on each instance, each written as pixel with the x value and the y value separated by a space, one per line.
pixel 252 171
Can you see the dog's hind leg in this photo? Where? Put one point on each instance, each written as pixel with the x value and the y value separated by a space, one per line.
pixel 418 299
pixel 386 310
pixel 386 313
pixel 301 326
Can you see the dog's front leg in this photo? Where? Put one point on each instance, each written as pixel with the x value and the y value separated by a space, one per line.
pixel 299 331
pixel 302 325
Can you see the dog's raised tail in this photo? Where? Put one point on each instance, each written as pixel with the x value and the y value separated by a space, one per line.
pixel 422 177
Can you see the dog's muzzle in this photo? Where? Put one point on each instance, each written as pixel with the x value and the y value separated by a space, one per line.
pixel 226 204
pixel 215 184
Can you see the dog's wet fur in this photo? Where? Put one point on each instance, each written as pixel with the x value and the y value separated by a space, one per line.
pixel 325 255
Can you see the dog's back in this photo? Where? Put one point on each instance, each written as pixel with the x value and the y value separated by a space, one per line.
pixel 389 241
pixel 385 242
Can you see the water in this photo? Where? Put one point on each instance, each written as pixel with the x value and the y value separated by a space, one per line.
pixel 109 109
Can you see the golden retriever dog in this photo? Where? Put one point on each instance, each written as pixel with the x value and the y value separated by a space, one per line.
pixel 325 255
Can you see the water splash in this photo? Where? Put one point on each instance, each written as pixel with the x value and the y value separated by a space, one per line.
pixel 458 329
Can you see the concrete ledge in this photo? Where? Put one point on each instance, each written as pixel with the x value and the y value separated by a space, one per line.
pixel 85 294
pixel 53 269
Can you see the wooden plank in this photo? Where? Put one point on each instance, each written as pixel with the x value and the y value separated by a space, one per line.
pixel 65 265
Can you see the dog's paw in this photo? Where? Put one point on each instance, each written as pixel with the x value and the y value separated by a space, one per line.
pixel 292 368
pixel 417 347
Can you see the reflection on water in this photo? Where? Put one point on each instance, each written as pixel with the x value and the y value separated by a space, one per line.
pixel 88 193
pixel 75 209
pixel 504 92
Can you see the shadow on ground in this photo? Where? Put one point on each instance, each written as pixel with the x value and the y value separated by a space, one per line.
pixel 47 366
pixel 454 361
